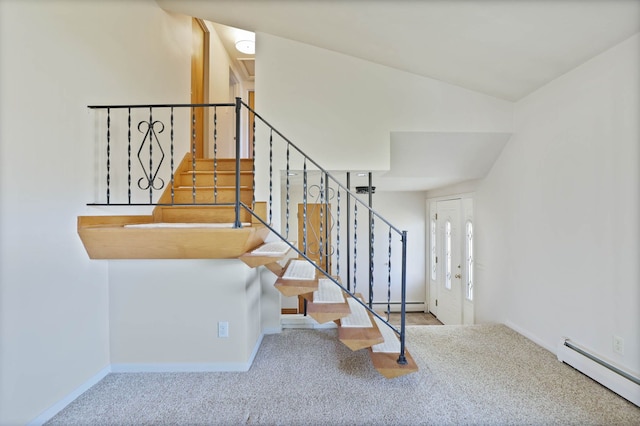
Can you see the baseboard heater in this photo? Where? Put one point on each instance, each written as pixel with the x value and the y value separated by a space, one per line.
pixel 619 381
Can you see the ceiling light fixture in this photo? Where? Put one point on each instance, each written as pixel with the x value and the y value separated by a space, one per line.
pixel 246 46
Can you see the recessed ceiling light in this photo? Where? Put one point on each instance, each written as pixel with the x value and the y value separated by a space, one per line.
pixel 362 174
pixel 246 46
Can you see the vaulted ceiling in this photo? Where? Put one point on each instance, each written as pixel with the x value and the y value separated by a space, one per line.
pixel 504 48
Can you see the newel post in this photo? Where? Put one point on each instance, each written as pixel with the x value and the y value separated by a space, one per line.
pixel 237 223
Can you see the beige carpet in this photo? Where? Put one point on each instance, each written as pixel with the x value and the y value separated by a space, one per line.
pixel 484 374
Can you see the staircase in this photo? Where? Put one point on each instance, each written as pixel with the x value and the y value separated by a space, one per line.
pixel 188 231
pixel 207 210
pixel 358 327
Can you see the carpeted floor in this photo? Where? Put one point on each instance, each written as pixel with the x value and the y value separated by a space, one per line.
pixel 484 374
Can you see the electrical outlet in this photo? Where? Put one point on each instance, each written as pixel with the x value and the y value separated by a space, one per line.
pixel 618 345
pixel 223 329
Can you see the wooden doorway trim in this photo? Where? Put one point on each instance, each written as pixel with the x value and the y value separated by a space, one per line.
pixel 252 105
pixel 199 83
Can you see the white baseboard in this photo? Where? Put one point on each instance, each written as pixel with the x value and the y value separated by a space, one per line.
pixel 60 405
pixel 146 368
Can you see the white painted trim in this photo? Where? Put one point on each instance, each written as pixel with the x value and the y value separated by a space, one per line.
pixel 272 330
pixel 48 414
pixel 182 367
pixel 145 368
pixel 533 338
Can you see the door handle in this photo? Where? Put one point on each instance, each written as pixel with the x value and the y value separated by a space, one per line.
pixel 458 276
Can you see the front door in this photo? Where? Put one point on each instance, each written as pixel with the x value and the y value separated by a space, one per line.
pixel 449 262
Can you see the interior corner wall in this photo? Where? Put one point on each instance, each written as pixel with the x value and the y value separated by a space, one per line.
pixel 57 58
pixel 557 217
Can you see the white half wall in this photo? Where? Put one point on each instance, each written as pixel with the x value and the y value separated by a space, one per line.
pixel 57 58
pixel 166 312
pixel 557 217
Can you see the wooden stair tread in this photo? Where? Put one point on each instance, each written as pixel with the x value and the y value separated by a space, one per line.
pixel 293 287
pixel 356 338
pixel 387 364
pixel 254 260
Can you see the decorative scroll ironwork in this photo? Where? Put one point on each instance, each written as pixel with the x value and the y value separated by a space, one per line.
pixel 215 154
pixel 253 163
pixel 287 210
pixel 108 155
pixel 371 253
pixel 153 128
pixel 172 160
pixel 304 206
pixel 338 234
pixel 270 172
pixel 389 279
pixel 193 154
pixel 355 246
pixel 320 196
pixel 129 155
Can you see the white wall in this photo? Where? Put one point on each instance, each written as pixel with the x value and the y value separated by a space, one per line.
pixel 341 110
pixel 557 217
pixel 219 66
pixel 326 101
pixel 57 58
pixel 164 314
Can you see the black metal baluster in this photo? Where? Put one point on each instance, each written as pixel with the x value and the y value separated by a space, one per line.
pixel 237 223
pixel 371 255
pixel 327 223
pixel 389 279
pixel 348 207
pixel 338 233
pixel 287 209
pixel 193 154
pixel 355 245
pixel 172 160
pixel 371 237
pixel 270 175
pixel 129 155
pixel 108 155
pixel 150 155
pixel 215 155
pixel 402 360
pixel 321 245
pixel 304 206
pixel 253 141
